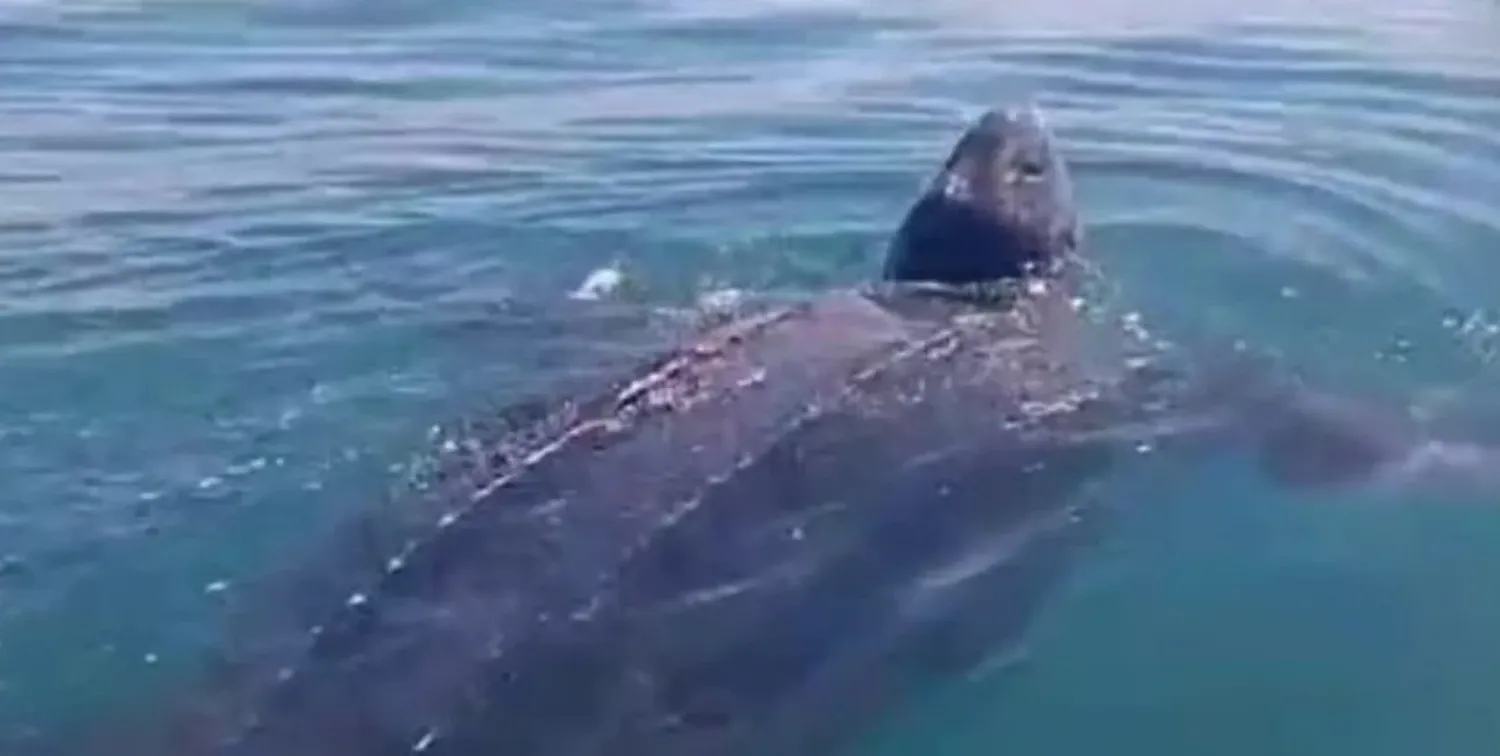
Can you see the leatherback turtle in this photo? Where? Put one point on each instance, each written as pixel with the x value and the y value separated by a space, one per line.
pixel 759 541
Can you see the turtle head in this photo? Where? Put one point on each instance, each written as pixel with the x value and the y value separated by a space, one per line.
pixel 1002 207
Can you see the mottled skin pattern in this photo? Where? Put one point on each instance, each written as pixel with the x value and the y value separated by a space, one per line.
pixel 758 543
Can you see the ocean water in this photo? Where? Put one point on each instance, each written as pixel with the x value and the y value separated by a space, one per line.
pixel 253 252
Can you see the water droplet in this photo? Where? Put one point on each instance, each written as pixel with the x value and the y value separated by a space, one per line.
pixel 425 742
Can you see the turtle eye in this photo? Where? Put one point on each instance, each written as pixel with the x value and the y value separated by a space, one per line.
pixel 1030 170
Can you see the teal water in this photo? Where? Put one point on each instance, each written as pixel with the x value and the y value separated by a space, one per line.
pixel 251 253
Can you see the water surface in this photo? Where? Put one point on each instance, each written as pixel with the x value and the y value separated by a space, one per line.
pixel 252 252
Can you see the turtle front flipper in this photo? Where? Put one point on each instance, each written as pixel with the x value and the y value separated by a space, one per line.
pixel 1302 438
pixel 1326 441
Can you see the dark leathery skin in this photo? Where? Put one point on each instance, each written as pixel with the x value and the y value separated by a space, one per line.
pixel 390 670
pixel 775 616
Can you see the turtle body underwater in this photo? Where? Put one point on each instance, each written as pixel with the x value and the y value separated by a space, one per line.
pixel 762 541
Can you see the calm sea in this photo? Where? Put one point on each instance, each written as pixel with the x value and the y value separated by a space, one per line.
pixel 252 252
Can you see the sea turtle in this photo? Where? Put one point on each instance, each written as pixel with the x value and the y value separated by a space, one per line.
pixel 755 543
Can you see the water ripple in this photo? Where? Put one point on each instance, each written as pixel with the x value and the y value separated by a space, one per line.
pixel 249 252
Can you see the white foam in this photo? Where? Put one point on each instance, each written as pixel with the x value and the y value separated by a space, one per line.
pixel 600 284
